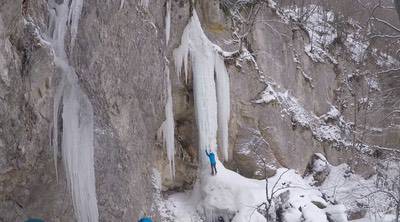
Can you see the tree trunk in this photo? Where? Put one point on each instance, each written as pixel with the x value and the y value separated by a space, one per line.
pixel 398 198
pixel 397 6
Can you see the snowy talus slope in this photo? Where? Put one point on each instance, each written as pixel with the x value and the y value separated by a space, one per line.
pixel 296 198
pixel 234 197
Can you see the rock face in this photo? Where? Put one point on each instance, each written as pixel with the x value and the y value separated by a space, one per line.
pixel 119 60
pixel 119 56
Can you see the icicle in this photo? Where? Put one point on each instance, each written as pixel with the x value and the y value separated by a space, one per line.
pixel 77 152
pixel 205 62
pixel 145 4
pixel 169 127
pixel 74 15
pixel 223 98
pixel 121 4
pixel 56 107
pixel 167 21
pixel 77 115
pixel 181 55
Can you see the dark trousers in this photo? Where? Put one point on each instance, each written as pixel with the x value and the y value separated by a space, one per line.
pixel 213 169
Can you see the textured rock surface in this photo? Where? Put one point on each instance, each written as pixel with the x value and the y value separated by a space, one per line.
pixel 119 58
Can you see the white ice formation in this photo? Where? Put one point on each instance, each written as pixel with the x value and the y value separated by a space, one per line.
pixel 167 21
pixel 168 127
pixel 77 114
pixel 212 114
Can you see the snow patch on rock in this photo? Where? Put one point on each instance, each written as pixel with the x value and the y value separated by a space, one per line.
pixel 318 24
pixel 323 130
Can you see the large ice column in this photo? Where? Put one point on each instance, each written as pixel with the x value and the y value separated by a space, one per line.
pixel 223 99
pixel 77 152
pixel 145 4
pixel 77 114
pixel 169 126
pixel 205 63
pixel 74 15
pixel 167 21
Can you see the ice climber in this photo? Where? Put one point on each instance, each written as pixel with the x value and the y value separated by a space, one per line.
pixel 213 163
pixel 34 220
pixel 145 219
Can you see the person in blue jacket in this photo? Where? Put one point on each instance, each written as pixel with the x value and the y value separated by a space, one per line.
pixel 34 220
pixel 145 219
pixel 213 163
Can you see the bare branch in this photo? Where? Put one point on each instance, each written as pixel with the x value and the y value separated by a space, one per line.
pixel 391 195
pixel 386 23
pixel 388 70
pixel 384 36
pixel 279 178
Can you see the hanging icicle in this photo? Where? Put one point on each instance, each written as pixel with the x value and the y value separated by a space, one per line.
pixel 167 21
pixel 168 127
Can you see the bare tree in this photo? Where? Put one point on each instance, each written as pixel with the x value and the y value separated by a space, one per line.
pixel 383 196
pixel 270 194
pixel 388 183
pixel 258 146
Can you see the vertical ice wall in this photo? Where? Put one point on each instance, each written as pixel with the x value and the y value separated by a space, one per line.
pixel 223 99
pixel 167 21
pixel 73 17
pixel 169 126
pixel 77 114
pixel 206 62
pixel 145 4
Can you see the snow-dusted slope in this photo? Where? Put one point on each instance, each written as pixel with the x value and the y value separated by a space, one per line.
pixel 232 196
pixel 295 198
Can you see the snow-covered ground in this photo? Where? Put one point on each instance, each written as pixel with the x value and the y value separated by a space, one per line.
pixel 236 198
pixel 232 196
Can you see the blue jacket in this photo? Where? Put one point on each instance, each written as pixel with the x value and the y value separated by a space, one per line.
pixel 145 219
pixel 34 220
pixel 211 156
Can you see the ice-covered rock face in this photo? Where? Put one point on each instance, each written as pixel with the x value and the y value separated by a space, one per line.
pixel 127 110
pixel 76 113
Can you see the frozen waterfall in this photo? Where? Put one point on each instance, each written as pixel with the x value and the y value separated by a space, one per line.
pixel 168 127
pixel 167 21
pixel 223 99
pixel 212 115
pixel 77 114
